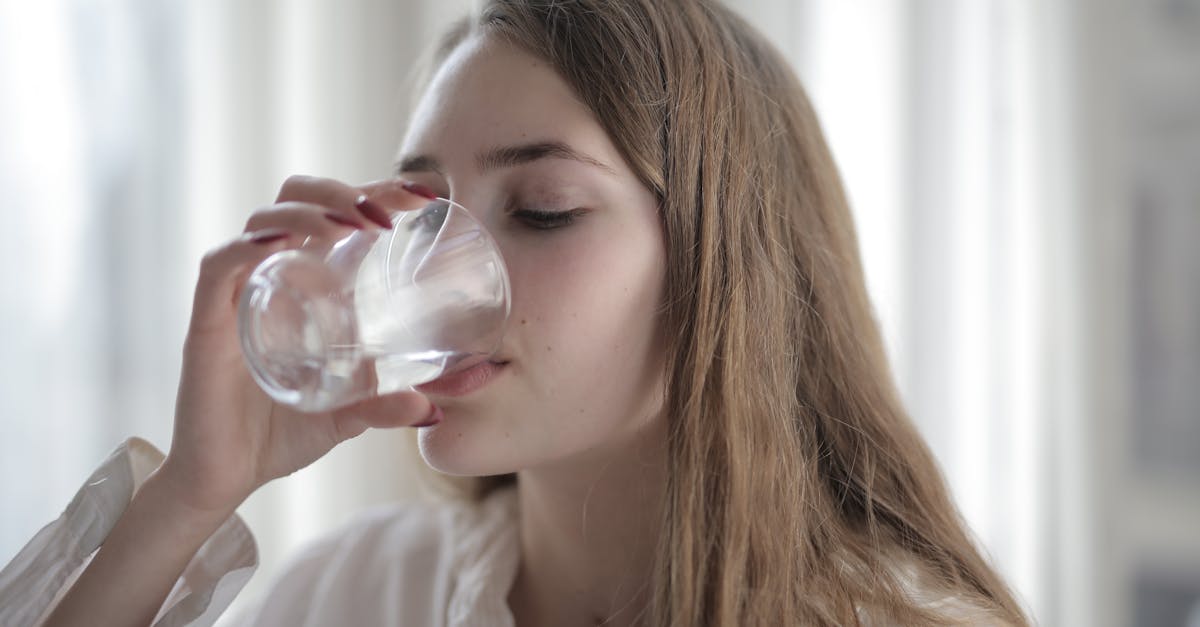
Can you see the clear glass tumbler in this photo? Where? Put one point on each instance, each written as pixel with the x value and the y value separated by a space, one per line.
pixel 378 312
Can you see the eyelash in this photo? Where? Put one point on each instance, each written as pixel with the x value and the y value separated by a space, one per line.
pixel 547 220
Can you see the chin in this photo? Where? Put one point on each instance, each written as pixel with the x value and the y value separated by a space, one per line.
pixel 451 449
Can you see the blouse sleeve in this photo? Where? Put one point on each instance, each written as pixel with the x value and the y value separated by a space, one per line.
pixel 44 570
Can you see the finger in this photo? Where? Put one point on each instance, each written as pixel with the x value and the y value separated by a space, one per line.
pixel 305 218
pixel 224 269
pixel 391 195
pixel 337 196
pixel 398 194
pixel 317 190
pixel 373 211
pixel 400 409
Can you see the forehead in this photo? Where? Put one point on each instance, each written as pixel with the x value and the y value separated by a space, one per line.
pixel 488 92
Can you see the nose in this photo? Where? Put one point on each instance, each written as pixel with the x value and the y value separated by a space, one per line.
pixel 477 202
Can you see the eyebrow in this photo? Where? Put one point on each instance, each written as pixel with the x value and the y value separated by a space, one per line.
pixel 504 157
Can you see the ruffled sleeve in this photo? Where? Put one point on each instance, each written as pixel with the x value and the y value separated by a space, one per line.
pixel 44 570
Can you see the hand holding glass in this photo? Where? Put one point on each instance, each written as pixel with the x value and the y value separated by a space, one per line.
pixel 379 312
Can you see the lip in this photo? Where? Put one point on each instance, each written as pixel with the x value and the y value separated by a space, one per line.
pixel 463 382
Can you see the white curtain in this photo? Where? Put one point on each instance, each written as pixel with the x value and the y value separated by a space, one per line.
pixel 139 133
pixel 951 121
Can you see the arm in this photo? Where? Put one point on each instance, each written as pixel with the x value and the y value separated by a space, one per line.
pixel 146 552
pixel 46 568
pixel 229 437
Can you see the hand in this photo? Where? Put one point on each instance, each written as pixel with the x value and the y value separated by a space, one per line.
pixel 230 437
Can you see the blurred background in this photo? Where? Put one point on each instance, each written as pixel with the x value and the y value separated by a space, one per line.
pixel 1025 176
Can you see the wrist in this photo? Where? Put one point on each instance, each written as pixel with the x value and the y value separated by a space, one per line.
pixel 141 558
pixel 162 497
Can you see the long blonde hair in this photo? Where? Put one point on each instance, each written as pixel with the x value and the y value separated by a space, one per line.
pixel 799 491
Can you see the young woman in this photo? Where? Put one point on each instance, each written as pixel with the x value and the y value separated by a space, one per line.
pixel 690 420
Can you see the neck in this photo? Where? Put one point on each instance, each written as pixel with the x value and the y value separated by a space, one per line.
pixel 589 533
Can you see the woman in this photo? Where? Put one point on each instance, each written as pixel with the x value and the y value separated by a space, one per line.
pixel 690 420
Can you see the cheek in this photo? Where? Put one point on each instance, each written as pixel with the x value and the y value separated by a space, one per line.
pixel 584 313
pixel 584 340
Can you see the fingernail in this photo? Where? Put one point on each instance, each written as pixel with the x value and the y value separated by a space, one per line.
pixel 266 237
pixel 343 220
pixel 418 189
pixel 435 416
pixel 373 212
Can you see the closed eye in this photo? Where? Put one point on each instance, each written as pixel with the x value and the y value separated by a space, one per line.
pixel 546 220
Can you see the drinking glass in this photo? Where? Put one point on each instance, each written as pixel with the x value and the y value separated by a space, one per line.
pixel 377 312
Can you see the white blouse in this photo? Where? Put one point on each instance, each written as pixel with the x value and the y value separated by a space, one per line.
pixel 408 564
pixel 392 565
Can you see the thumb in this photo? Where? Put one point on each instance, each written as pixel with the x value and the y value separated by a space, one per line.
pixel 400 409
